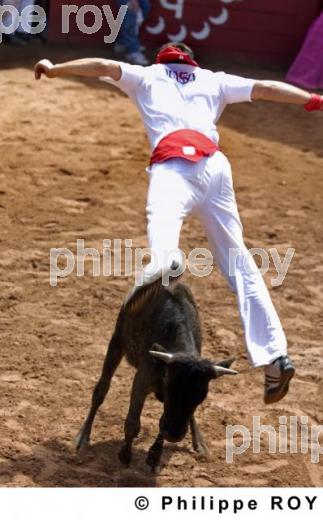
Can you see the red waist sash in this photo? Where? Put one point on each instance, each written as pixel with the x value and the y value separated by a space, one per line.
pixel 186 144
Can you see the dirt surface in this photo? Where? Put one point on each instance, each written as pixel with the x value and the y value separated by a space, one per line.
pixel 72 165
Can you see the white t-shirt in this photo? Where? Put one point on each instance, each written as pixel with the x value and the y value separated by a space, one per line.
pixel 174 97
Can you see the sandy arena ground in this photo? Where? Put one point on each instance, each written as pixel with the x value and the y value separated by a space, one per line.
pixel 73 156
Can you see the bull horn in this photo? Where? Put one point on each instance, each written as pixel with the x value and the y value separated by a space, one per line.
pixel 163 356
pixel 221 371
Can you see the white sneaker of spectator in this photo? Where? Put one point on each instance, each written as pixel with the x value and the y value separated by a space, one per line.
pixel 137 58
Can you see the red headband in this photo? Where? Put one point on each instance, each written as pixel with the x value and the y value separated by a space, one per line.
pixel 174 55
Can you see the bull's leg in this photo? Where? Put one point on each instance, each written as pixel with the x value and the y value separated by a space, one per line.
pixel 154 454
pixel 111 362
pixel 139 392
pixel 199 444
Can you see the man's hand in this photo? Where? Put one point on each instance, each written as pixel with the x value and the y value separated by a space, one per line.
pixel 85 68
pixel 44 67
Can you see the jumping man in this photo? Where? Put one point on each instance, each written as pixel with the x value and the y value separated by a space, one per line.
pixel 180 104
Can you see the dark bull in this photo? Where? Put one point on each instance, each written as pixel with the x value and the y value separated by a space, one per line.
pixel 159 332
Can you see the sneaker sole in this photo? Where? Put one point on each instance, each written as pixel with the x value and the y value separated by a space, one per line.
pixel 279 393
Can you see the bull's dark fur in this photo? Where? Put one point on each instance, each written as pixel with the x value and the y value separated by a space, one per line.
pixel 167 322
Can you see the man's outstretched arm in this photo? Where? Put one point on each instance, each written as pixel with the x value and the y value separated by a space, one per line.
pixel 282 93
pixel 87 67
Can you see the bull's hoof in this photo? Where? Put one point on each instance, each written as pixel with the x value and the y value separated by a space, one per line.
pixel 202 449
pixel 82 441
pixel 155 470
pixel 155 467
pixel 125 456
pixel 153 462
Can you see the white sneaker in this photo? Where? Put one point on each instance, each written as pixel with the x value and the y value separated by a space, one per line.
pixel 277 378
pixel 137 58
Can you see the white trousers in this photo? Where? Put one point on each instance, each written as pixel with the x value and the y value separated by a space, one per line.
pixel 178 188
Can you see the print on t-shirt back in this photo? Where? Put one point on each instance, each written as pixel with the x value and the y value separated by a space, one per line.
pixel 181 76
